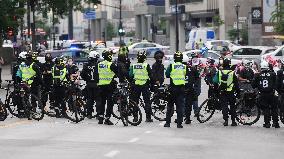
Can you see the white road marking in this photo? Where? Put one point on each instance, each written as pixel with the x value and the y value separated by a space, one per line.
pixel 148 132
pixel 111 154
pixel 134 140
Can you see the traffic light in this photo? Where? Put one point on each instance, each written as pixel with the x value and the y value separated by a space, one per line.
pixel 121 32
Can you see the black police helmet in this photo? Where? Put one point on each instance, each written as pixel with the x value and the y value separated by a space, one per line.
pixel 57 61
pixel 226 62
pixel 178 56
pixel 141 55
pixel 107 55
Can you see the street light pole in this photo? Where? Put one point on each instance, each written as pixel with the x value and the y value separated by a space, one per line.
pixel 120 22
pixel 89 26
pixel 177 29
pixel 237 7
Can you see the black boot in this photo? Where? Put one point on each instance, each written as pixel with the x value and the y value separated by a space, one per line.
pixel 179 126
pixel 226 123
pixel 167 125
pixel 149 119
pixel 108 122
pixel 187 121
pixel 276 125
pixel 266 125
pixel 101 120
pixel 234 123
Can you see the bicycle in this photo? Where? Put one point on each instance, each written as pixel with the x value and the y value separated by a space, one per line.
pixel 3 111
pixel 159 102
pixel 247 107
pixel 75 105
pixel 48 103
pixel 128 111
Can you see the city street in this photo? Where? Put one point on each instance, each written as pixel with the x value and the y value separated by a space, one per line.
pixel 59 138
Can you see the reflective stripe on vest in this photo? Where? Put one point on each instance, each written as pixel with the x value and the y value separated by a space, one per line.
pixel 62 74
pixel 105 73
pixel 27 73
pixel 140 73
pixel 178 73
pixel 230 79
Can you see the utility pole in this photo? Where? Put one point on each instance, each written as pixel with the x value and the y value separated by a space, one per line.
pixel 33 26
pixel 53 28
pixel 29 18
pixel 89 26
pixel 70 21
pixel 120 22
pixel 177 29
pixel 237 8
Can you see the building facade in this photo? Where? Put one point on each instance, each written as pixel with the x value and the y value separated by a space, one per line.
pixel 200 13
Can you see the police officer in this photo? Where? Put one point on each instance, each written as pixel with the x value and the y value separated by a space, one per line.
pixel 107 71
pixel 191 95
pixel 123 68
pixel 59 76
pixel 47 76
pixel 280 87
pixel 158 69
pixel 265 82
pixel 30 73
pixel 228 85
pixel 72 69
pixel 141 73
pixel 177 74
pixel 89 74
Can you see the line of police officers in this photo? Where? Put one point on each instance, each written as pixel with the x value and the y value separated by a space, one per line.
pixel 100 80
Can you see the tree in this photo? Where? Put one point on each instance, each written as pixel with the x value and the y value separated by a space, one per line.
pixel 233 33
pixel 217 22
pixel 111 32
pixel 9 16
pixel 277 18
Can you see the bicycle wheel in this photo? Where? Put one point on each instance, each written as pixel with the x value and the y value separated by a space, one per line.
pixel 13 103
pixel 3 112
pixel 35 107
pixel 134 114
pixel 206 111
pixel 75 111
pixel 247 115
pixel 49 108
pixel 159 106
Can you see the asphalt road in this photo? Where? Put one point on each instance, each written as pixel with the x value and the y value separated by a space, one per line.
pixel 58 138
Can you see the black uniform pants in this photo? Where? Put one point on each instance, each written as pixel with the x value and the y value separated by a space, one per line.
pixel 146 94
pixel 177 98
pixel 59 95
pixel 106 92
pixel 269 107
pixel 92 97
pixel 189 98
pixel 281 102
pixel 47 85
pixel 226 99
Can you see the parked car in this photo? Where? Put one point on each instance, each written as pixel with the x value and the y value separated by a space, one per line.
pixel 150 48
pixel 203 60
pixel 219 44
pixel 251 52
pixel 272 57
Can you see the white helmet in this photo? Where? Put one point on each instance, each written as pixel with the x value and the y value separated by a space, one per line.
pixel 94 54
pixel 23 54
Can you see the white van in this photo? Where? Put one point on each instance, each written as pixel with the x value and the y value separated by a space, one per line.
pixel 205 34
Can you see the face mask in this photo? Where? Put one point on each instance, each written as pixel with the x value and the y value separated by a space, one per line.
pixel 159 60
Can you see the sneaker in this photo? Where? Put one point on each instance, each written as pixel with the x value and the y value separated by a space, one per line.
pixel 108 122
pixel 266 125
pixel 167 125
pixel 89 116
pixel 179 126
pixel 234 124
pixel 187 121
pixel 226 123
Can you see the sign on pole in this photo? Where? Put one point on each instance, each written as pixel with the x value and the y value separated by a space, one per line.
pixel 90 15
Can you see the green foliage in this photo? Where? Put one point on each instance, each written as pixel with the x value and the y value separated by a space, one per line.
pixel 110 31
pixel 277 18
pixel 130 34
pixel 217 21
pixel 233 34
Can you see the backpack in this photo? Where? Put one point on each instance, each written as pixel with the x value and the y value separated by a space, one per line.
pixel 224 77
